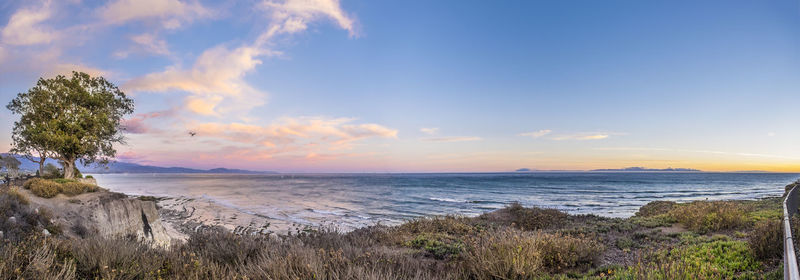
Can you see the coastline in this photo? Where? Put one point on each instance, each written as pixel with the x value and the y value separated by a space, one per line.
pixel 702 239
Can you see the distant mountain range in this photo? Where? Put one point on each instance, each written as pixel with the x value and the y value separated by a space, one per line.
pixel 627 169
pixel 639 169
pixel 127 167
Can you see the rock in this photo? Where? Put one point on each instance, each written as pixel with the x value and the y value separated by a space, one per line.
pixel 1 234
pixel 130 216
pixel 109 215
pixel 12 220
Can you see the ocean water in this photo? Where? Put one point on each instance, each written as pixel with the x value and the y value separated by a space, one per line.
pixel 356 200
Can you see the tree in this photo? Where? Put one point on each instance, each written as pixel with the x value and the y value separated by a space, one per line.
pixel 70 119
pixel 11 164
pixel 28 142
pixel 51 172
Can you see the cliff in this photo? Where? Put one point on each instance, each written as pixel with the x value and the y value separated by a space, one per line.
pixel 107 214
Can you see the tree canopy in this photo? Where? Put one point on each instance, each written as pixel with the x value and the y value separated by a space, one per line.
pixel 69 119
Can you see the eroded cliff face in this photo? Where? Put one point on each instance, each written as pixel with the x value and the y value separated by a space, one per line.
pixel 108 214
pixel 128 217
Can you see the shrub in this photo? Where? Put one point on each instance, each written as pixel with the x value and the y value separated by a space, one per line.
pixel 224 247
pixel 513 254
pixel 51 172
pixel 45 188
pixel 89 177
pixel 766 240
pixel 76 188
pixel 527 218
pixel 654 208
pixel 50 188
pixel 705 216
pixel 437 246
pixel 27 185
pixel 625 243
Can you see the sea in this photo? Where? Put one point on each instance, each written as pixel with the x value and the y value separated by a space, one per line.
pixel 350 201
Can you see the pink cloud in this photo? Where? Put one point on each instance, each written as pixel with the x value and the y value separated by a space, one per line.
pixel 138 124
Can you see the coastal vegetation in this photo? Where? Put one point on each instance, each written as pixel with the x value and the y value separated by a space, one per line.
pixel 664 240
pixel 50 188
pixel 70 119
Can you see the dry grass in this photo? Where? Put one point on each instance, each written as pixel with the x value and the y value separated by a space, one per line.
pixel 50 188
pixel 515 254
pixel 710 216
pixel 766 240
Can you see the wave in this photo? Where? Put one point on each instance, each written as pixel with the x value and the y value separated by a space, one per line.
pixel 448 200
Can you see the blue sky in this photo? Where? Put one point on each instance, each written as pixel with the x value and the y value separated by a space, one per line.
pixel 402 86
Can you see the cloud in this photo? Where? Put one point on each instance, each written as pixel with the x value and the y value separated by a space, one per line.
pixel 536 134
pixel 216 79
pixel 582 136
pixel 292 16
pixel 25 27
pixel 145 43
pixel 429 130
pixel 291 130
pixel 172 13
pixel 453 139
pixel 139 123
pixel 215 82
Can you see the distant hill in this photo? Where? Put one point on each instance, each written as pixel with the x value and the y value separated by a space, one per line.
pixel 640 169
pixel 127 167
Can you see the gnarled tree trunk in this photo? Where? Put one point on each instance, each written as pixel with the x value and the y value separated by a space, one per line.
pixel 69 168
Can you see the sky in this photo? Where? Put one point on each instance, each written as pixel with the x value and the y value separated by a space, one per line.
pixel 428 86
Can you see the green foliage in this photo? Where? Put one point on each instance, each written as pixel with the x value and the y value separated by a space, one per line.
pixel 51 172
pixel 527 218
pixel 76 118
pixel 714 260
pixel 654 208
pixel 89 177
pixel 710 216
pixel 662 220
pixel 624 243
pixel 438 246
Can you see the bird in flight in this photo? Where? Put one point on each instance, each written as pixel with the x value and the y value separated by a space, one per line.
pixel 192 133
